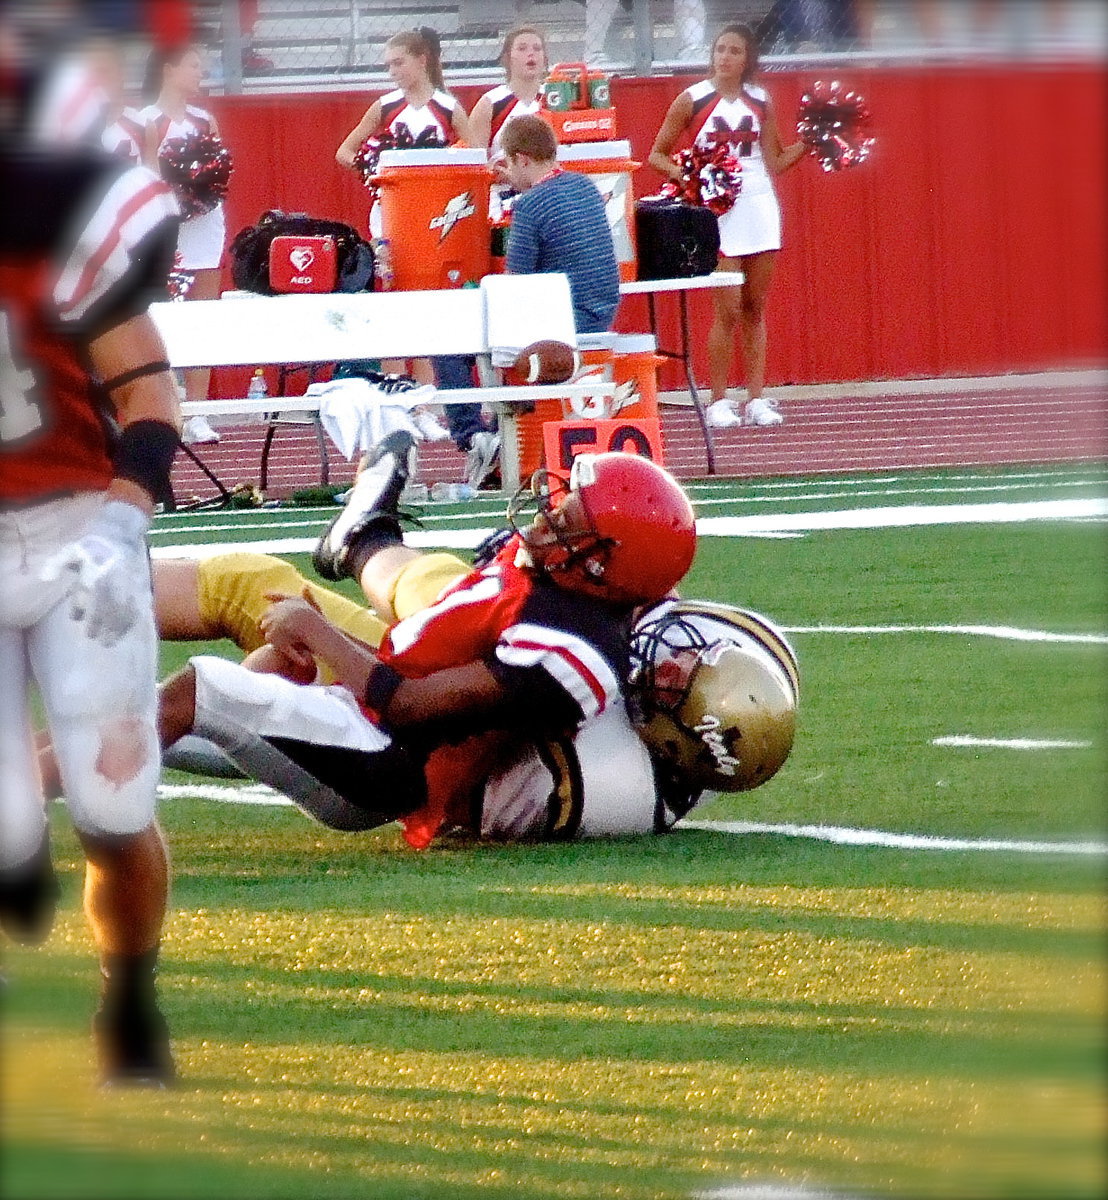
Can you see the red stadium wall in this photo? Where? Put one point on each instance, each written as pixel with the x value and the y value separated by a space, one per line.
pixel 972 242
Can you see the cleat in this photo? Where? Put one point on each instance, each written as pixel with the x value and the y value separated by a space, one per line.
pixel 198 431
pixel 763 412
pixel 431 429
pixel 374 497
pixel 29 898
pixel 720 414
pixel 132 1041
pixel 481 458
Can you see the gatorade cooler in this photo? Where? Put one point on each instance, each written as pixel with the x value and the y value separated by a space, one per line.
pixel 609 166
pixel 635 356
pixel 435 213
pixel 578 104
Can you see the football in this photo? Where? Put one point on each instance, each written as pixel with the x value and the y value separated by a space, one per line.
pixel 547 362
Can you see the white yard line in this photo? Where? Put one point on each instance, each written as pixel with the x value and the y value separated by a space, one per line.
pixel 847 836
pixel 905 516
pixel 803 497
pixel 254 793
pixel 1008 633
pixel 965 739
pixel 260 795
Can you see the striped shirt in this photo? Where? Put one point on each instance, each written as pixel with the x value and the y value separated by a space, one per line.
pixel 560 225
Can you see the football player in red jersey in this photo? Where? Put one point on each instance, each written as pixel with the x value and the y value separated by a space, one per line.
pixel 533 643
pixel 89 425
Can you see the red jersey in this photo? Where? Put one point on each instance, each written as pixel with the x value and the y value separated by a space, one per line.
pixel 538 639
pixel 85 244
pixel 560 657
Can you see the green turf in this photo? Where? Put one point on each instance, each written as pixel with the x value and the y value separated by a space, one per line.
pixel 649 1017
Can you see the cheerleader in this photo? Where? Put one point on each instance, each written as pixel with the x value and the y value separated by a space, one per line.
pixel 523 57
pixel 728 107
pixel 419 102
pixel 174 82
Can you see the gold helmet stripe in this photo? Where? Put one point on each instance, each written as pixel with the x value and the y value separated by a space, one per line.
pixel 753 626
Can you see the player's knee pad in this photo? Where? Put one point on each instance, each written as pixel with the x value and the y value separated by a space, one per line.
pixel 110 764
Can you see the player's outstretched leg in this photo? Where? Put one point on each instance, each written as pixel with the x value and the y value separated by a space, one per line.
pixel 371 507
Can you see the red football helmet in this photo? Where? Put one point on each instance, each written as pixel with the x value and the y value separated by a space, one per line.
pixel 623 530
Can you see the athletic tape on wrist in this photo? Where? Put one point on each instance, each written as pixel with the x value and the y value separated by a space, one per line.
pixel 144 455
pixel 381 686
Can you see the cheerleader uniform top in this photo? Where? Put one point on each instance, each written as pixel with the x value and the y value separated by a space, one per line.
pixel 437 114
pixel 124 136
pixel 506 106
pixel 196 120
pixel 754 224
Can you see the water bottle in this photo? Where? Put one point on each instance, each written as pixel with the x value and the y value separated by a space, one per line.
pixel 452 492
pixel 383 267
pixel 257 389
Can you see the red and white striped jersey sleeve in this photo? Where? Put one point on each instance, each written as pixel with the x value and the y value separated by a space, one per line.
pixel 128 224
pixel 572 662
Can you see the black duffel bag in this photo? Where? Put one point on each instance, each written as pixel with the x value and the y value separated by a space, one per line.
pixel 250 251
pixel 675 240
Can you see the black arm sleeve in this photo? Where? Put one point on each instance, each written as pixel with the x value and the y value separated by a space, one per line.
pixel 536 702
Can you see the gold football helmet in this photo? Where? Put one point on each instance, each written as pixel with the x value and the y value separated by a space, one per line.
pixel 715 689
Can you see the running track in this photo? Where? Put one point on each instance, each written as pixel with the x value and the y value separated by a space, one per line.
pixel 1038 419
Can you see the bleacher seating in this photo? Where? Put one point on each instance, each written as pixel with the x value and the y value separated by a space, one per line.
pixel 338 38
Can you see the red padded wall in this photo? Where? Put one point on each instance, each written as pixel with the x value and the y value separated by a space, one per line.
pixel 972 241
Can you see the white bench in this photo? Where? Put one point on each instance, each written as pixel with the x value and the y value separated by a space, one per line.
pixel 506 312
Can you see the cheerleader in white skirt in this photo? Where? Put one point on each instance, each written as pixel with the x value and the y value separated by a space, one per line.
pixel 174 81
pixel 727 107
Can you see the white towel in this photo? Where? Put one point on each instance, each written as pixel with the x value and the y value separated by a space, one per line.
pixel 521 309
pixel 357 414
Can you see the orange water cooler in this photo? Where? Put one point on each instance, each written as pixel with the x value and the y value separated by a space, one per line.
pixel 609 166
pixel 435 214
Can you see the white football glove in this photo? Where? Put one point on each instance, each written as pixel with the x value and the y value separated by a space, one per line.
pixel 109 565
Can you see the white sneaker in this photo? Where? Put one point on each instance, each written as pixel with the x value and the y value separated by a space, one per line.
pixel 375 494
pixel 763 412
pixel 484 449
pixel 720 414
pixel 431 429
pixel 197 432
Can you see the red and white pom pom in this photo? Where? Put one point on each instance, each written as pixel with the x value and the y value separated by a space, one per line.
pixel 710 179
pixel 198 168
pixel 834 122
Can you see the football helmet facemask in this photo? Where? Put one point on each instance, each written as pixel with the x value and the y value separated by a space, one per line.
pixel 622 529
pixel 715 692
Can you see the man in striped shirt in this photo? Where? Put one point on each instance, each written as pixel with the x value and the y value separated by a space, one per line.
pixel 559 224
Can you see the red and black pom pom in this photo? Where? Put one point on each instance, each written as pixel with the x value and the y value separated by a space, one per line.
pixel 834 122
pixel 400 137
pixel 198 168
pixel 710 179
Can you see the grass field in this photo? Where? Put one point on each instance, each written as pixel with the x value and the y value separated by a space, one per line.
pixel 661 1017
